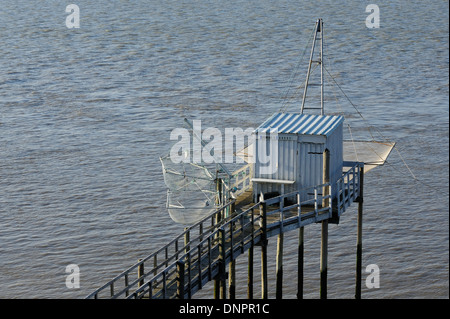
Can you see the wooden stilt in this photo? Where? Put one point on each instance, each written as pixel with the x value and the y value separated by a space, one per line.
pixel 359 237
pixel 222 272
pixel 250 273
pixel 217 280
pixel 232 280
pixel 216 289
pixel 301 241
pixel 324 260
pixel 223 289
pixel 264 283
pixel 279 282
pixel 324 241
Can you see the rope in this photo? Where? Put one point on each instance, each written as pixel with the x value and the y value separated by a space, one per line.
pixel 294 75
pixel 354 106
pixel 417 180
pixel 353 141
pixel 414 177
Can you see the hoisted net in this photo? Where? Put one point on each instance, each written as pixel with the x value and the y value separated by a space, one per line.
pixel 372 153
pixel 192 191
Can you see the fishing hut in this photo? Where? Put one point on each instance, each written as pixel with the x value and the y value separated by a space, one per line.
pixel 296 144
pixel 300 173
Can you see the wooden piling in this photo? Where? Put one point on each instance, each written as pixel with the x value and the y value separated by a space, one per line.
pixel 264 282
pixel 301 241
pixel 250 273
pixel 216 289
pixel 222 271
pixel 213 251
pixel 217 280
pixel 359 236
pixel 324 260
pixel 279 261
pixel 232 280
pixel 324 241
pixel 223 288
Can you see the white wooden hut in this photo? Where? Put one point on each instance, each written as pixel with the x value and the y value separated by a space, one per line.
pixel 288 152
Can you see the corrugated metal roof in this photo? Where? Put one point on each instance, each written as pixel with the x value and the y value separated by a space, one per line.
pixel 297 123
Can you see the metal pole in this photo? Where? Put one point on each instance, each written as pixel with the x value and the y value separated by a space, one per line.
pixel 309 67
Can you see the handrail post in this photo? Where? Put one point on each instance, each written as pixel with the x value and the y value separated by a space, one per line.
pixel 186 240
pixel 354 182
pixel 140 272
pixel 127 292
pixel 250 257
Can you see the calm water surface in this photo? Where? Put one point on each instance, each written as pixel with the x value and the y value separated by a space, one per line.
pixel 85 114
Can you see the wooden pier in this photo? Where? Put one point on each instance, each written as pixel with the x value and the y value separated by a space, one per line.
pixel 203 251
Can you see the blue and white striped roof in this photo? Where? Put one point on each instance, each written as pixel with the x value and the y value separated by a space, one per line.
pixel 296 123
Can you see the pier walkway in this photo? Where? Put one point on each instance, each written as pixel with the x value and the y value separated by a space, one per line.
pixel 202 252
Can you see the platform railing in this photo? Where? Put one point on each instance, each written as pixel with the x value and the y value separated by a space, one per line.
pixel 161 259
pixel 185 264
pixel 242 180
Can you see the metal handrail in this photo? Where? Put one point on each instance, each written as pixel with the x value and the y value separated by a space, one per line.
pixel 178 250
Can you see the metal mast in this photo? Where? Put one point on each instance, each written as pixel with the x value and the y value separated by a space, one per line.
pixel 318 36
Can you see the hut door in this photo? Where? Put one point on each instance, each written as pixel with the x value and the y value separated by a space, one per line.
pixel 309 168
